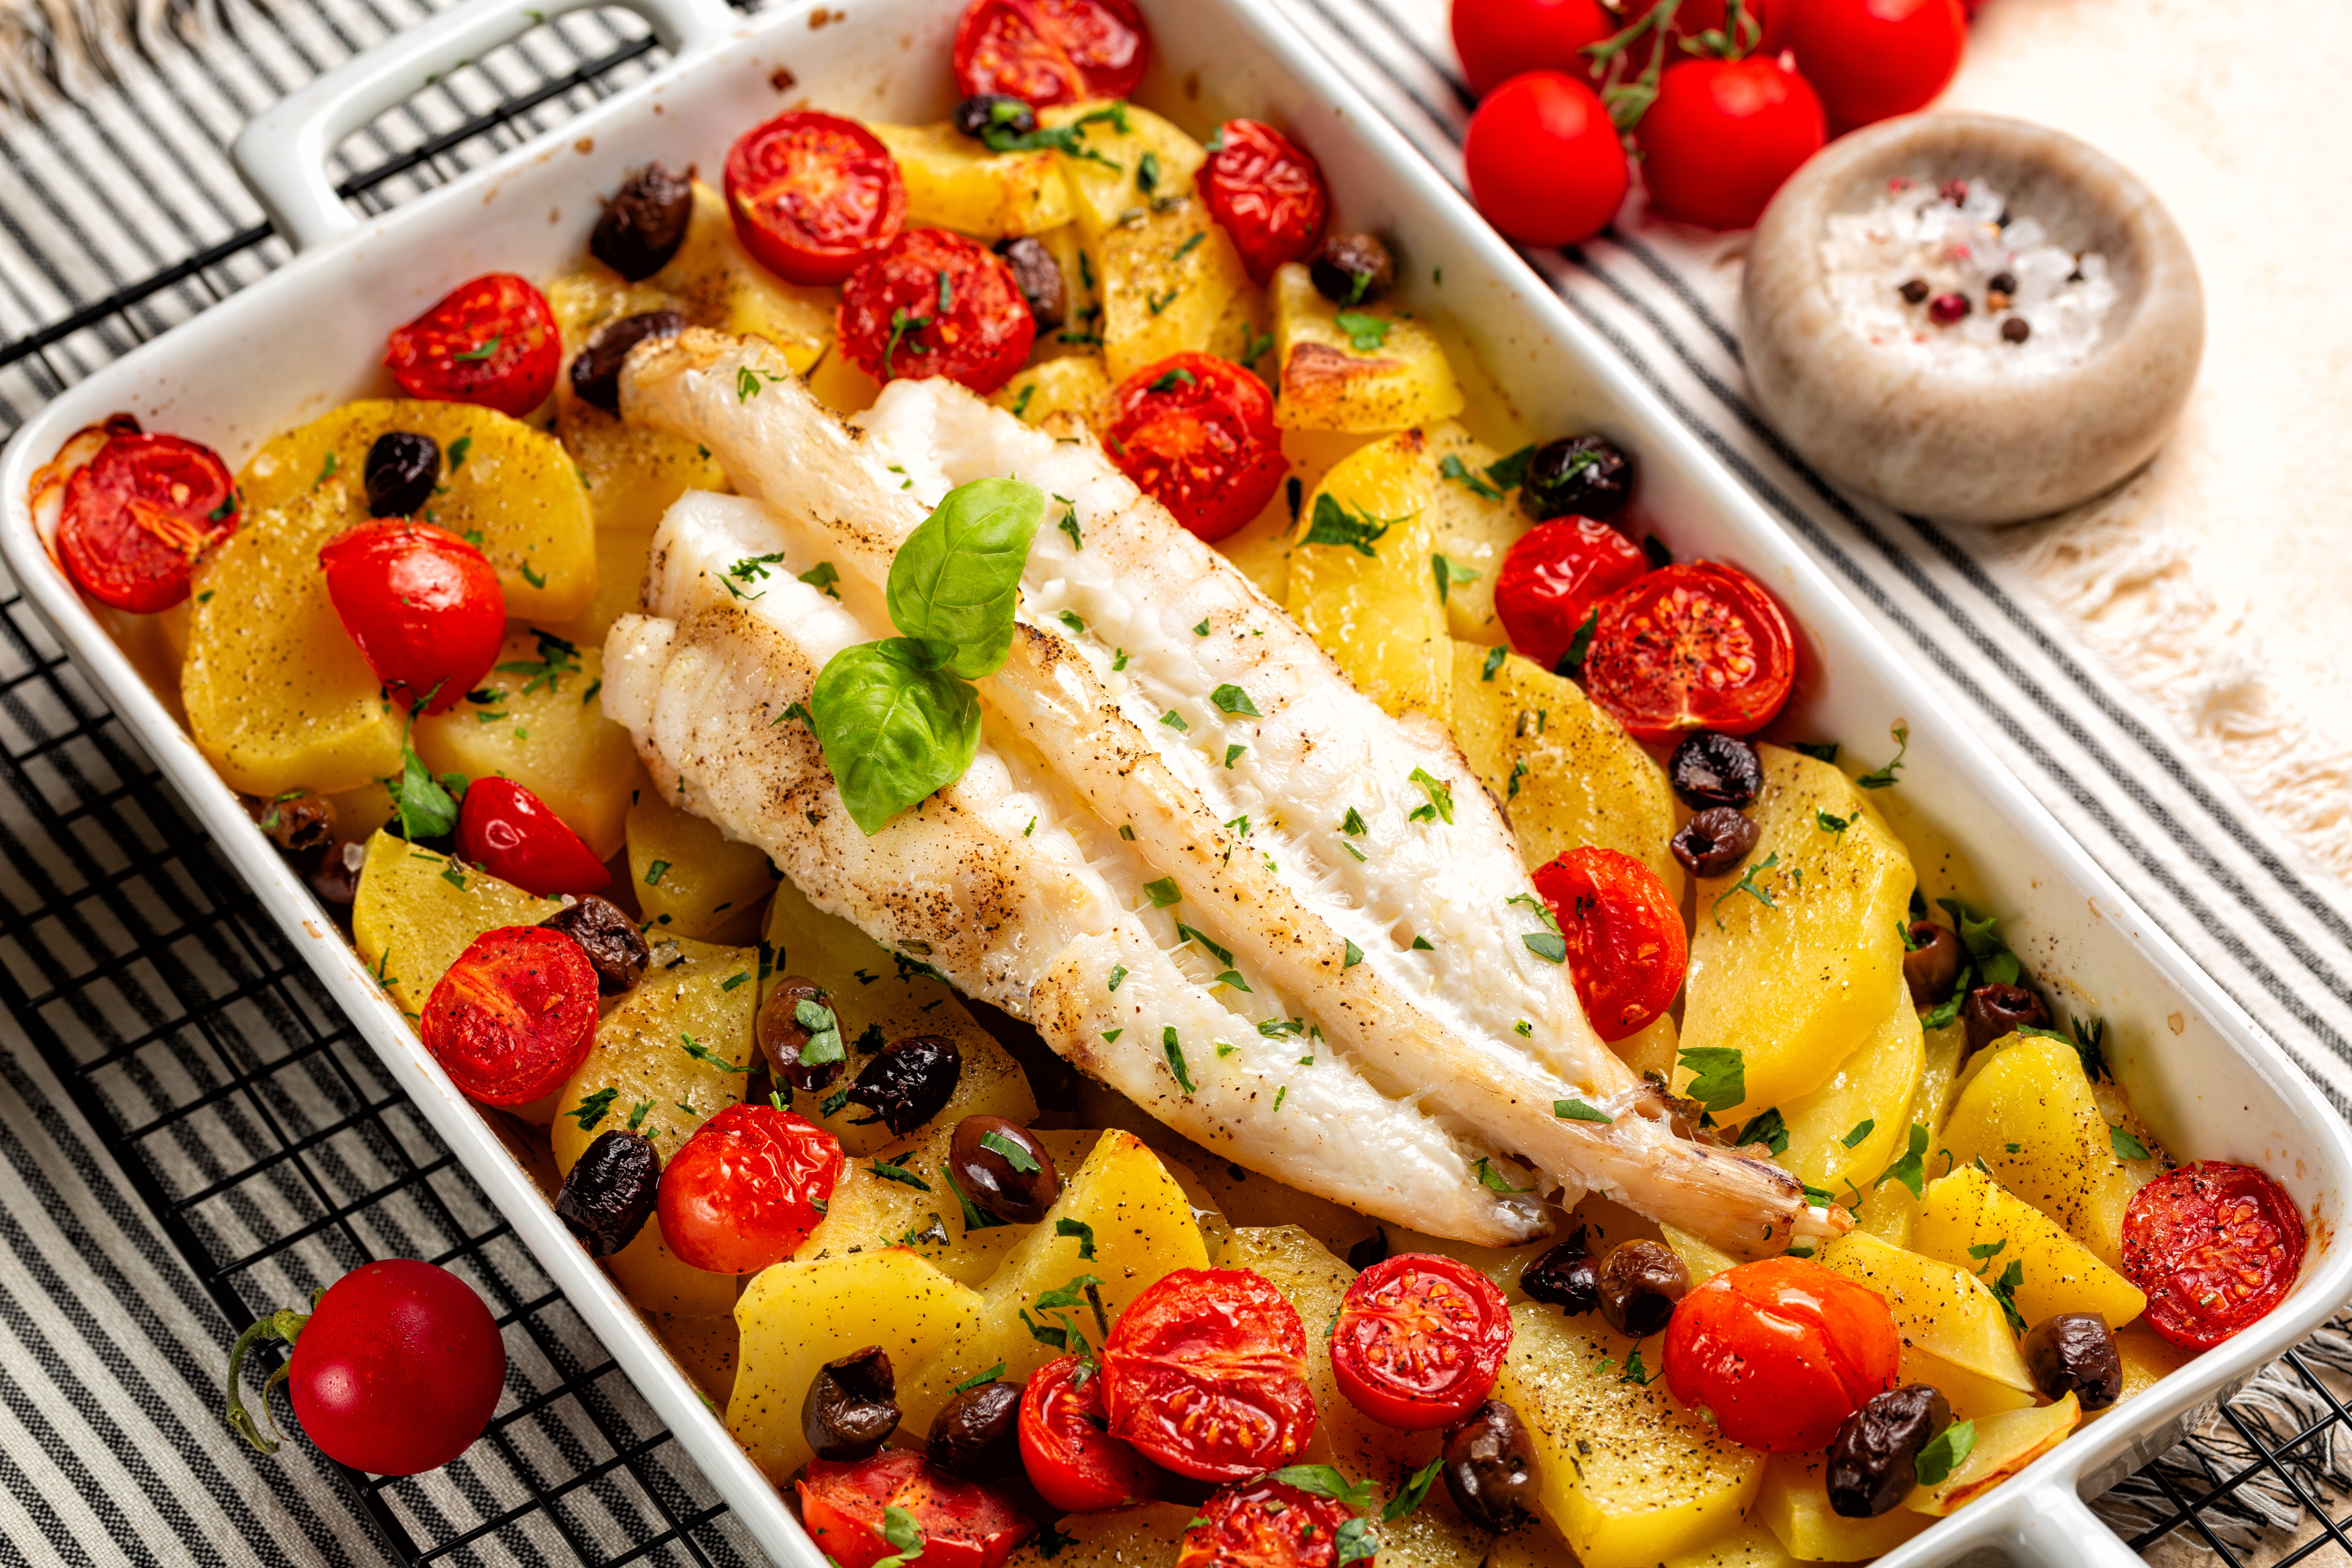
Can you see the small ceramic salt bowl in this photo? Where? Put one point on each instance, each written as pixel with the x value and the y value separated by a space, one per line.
pixel 1970 318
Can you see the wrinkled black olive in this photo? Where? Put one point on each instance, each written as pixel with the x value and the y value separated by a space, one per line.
pixel 609 1191
pixel 401 470
pixel 909 1082
pixel 1568 1276
pixel 1580 475
pixel 783 1037
pixel 1641 1281
pixel 1373 1248
pixel 1353 269
pixel 1038 276
pixel 1875 1461
pixel 1993 1011
pixel 976 115
pixel 852 1405
pixel 2074 1350
pixel 976 1435
pixel 596 369
pixel 298 822
pixel 335 878
pixel 615 947
pixel 1490 1467
pixel 1711 843
pixel 996 1180
pixel 1712 768
pixel 1933 967
pixel 644 224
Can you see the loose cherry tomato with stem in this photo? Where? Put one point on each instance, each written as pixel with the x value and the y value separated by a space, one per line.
pixel 1724 135
pixel 1873 59
pixel 1694 646
pixel 1554 577
pixel 491 341
pixel 1197 435
pixel 1497 39
pixel 1050 51
pixel 395 1371
pixel 747 1188
pixel 425 608
pixel 1627 951
pixel 812 196
pixel 513 1016
pixel 1419 1340
pixel 896 1504
pixel 511 833
pixel 1544 161
pixel 1205 1372
pixel 935 303
pixel 1782 1350
pixel 126 514
pixel 1266 1524
pixel 1267 193
pixel 2214 1247
pixel 1074 1463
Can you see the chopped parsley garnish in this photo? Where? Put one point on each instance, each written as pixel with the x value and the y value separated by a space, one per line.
pixel 1450 571
pixel 1453 467
pixel 1578 1110
pixel 1366 335
pixel 1163 892
pixel 1174 1052
pixel 1332 525
pixel 1441 798
pixel 1766 1127
pixel 1747 884
pixel 1495 658
pixel 1719 1076
pixel 592 1108
pixel 1232 698
pixel 1884 778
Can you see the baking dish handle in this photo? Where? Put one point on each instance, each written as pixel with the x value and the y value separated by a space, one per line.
pixel 2051 1527
pixel 281 155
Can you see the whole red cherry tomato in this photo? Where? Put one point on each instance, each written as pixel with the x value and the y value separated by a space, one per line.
pixel 1871 59
pixel 1419 1341
pixel 747 1188
pixel 1072 1461
pixel 513 1015
pixel 1497 39
pixel 1206 1373
pixel 1724 135
pixel 2214 1247
pixel 1545 164
pixel 963 1524
pixel 1267 193
pixel 127 514
pixel 1626 948
pixel 423 606
pixel 395 1371
pixel 812 196
pixel 1196 433
pixel 1693 646
pixel 1553 578
pixel 1050 51
pixel 510 833
pixel 491 341
pixel 1266 1524
pixel 1782 1350
pixel 935 303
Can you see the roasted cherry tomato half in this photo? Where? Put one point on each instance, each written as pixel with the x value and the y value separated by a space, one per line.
pixel 510 833
pixel 1694 646
pixel 1206 1373
pixel 1871 59
pixel 127 514
pixel 1544 160
pixel 812 196
pixel 423 606
pixel 935 303
pixel 513 1015
pixel 1419 1341
pixel 747 1188
pixel 1197 435
pixel 1050 51
pixel 1267 192
pixel 1782 1350
pixel 2214 1247
pixel 1554 577
pixel 1498 39
pixel 492 341
pixel 1724 135
pixel 1074 1463
pixel 1266 1524
pixel 1626 950
pixel 963 1524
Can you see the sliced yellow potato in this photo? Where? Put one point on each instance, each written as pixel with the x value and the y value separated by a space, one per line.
pixel 1352 370
pixel 1145 1535
pixel 1795 1506
pixel 1360 582
pixel 1944 1047
pixel 2005 1444
pixel 1844 1134
pixel 632 474
pixel 415 912
pixel 1476 521
pixel 655 1278
pixel 1966 1212
pixel 1074 384
pixel 2146 1357
pixel 954 181
pixel 690 878
pixel 839 383
pixel 1121 173
pixel 723 288
pixel 1702 1259
pixel 2027 1113
pixel 1949 1323
pixel 1745 1545
pixel 621 557
pixel 702 994
pixel 1169 280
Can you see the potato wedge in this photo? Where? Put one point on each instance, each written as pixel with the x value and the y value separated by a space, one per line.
pixel 704 994
pixel 2005 1444
pixel 954 181
pixel 2027 1113
pixel 1372 372
pixel 1111 181
pixel 690 878
pixel 2146 1357
pixel 1954 1333
pixel 632 474
pixel 723 288
pixel 416 910
pixel 1075 383
pixel 1939 1066
pixel 1795 1506
pixel 653 1277
pixel 1967 1210
pixel 1476 521
pixel 1359 577
pixel 1746 1545
pixel 1845 1132
pixel 1169 281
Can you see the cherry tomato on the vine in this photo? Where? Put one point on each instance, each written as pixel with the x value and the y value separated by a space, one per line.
pixel 1763 24
pixel 510 833
pixel 812 196
pixel 513 1015
pixel 2214 1247
pixel 127 514
pixel 935 303
pixel 1267 193
pixel 491 341
pixel 1050 51
pixel 747 1188
pixel 1197 435
pixel 425 608
pixel 1871 59
pixel 1694 646
pixel 1724 135
pixel 1206 1373
pixel 1074 1464
pixel 1419 1341
pixel 1264 1524
pixel 1553 576
pixel 1545 164
pixel 1626 948
pixel 962 1523
pixel 1497 39
pixel 1782 1350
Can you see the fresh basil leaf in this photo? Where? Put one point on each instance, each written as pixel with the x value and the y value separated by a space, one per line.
pixel 958 576
pixel 1354 1541
pixel 894 728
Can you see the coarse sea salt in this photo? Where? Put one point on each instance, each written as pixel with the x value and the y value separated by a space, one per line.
pixel 1916 231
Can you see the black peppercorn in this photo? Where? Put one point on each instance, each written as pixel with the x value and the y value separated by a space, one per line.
pixel 1993 1011
pixel 909 1082
pixel 1932 966
pixel 1914 291
pixel 2016 330
pixel 1714 840
pixel 609 1193
pixel 401 470
pixel 1490 1468
pixel 1875 1461
pixel 1567 1276
pixel 644 224
pixel 1712 768
pixel 2001 284
pixel 852 1405
pixel 615 948
pixel 1582 476
pixel 1353 269
pixel 1039 278
pixel 596 369
pixel 1641 1281
pixel 2074 1352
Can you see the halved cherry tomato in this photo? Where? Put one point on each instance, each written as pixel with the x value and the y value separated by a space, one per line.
pixel 2215 1247
pixel 1724 135
pixel 1419 1341
pixel 1544 160
pixel 1266 1524
pixel 935 303
pixel 423 606
pixel 1694 646
pixel 510 833
pixel 1268 193
pixel 1206 1373
pixel 1554 575
pixel 963 1524
pixel 133 512
pixel 513 1015
pixel 1073 1462
pixel 1050 51
pixel 1782 1350
pixel 491 341
pixel 813 195
pixel 747 1188
pixel 1497 39
pixel 1626 948
pixel 1197 435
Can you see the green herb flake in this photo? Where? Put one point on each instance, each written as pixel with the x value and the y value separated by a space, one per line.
pixel 1578 1110
pixel 1944 1452
pixel 1495 658
pixel 1331 525
pixel 1719 1076
pixel 1450 571
pixel 592 1108
pixel 1174 1052
pixel 1884 778
pixel 1453 467
pixel 2125 1146
pixel 655 872
pixel 1353 956
pixel 1366 335
pixel 1767 1128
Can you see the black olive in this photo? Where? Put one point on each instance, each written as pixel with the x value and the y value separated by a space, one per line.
pixel 1712 768
pixel 909 1082
pixel 1039 278
pixel 1490 1468
pixel 1875 1461
pixel 784 1037
pixel 1711 843
pixel 1580 475
pixel 1568 1276
pixel 1933 967
pixel 596 369
pixel 609 1190
pixel 2074 1350
pixel 1353 269
pixel 976 1435
pixel 644 224
pixel 1993 1011
pixel 334 878
pixel 852 1405
pixel 975 117
pixel 1373 1248
pixel 1002 1169
pixel 298 822
pixel 401 470
pixel 1641 1281
pixel 615 948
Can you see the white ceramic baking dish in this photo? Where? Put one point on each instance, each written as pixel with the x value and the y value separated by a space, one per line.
pixel 309 337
